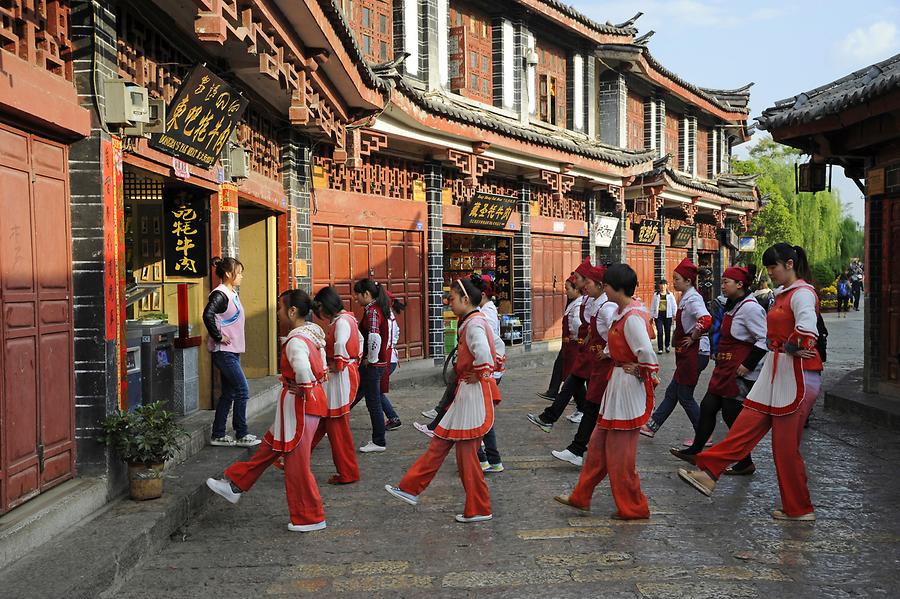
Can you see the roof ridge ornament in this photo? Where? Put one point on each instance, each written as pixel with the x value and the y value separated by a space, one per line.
pixel 642 41
pixel 629 23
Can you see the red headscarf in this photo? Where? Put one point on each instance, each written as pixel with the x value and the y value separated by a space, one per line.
pixel 584 267
pixel 596 273
pixel 488 284
pixel 687 269
pixel 738 273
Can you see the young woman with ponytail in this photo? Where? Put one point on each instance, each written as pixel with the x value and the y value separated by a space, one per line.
pixel 784 394
pixel 739 353
pixel 375 327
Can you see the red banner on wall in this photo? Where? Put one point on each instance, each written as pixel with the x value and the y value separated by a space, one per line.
pixel 114 255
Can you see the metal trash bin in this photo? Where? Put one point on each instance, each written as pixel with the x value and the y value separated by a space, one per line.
pixel 133 367
pixel 158 363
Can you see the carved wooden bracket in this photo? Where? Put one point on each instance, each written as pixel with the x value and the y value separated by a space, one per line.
pixel 690 211
pixel 747 219
pixel 618 194
pixel 655 200
pixel 720 218
pixel 559 183
pixel 471 165
pixel 362 142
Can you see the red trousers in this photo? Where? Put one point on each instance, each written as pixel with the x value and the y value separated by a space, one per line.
pixel 613 452
pixel 342 451
pixel 304 501
pixel 787 432
pixel 478 499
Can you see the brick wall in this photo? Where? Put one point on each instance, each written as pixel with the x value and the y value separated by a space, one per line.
pixel 296 159
pixel 435 258
pixel 522 263
pixel 613 94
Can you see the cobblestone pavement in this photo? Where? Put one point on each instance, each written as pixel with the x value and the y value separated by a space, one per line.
pixel 693 547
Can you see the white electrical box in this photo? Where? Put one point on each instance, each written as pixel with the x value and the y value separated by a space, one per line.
pixel 239 162
pixel 156 123
pixel 126 103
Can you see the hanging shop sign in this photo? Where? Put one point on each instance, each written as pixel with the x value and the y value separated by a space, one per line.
pixel 682 236
pixel 605 230
pixel 185 235
pixel 747 244
pixel 200 119
pixel 503 270
pixel 488 211
pixel 646 231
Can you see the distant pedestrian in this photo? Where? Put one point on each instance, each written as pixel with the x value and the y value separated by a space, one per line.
pixel 392 420
pixel 300 405
pixel 468 417
pixel 626 404
pixel 843 295
pixel 224 321
pixel 489 453
pixel 784 393
pixel 662 309
pixel 856 281
pixel 565 359
pixel 764 295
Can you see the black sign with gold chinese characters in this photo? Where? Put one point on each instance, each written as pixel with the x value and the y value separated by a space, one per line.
pixel 682 236
pixel 488 211
pixel 646 231
pixel 200 119
pixel 503 272
pixel 185 234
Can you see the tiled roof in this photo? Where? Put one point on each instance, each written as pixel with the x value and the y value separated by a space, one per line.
pixel 735 187
pixel 570 11
pixel 728 100
pixel 856 88
pixel 342 28
pixel 561 139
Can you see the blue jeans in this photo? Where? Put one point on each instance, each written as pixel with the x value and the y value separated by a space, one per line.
pixel 386 406
pixel 676 393
pixel 490 453
pixel 370 387
pixel 234 391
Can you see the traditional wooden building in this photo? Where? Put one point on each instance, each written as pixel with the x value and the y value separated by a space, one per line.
pixel 574 119
pixel 854 123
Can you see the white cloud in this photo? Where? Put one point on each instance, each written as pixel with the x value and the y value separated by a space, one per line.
pixel 870 44
pixel 666 13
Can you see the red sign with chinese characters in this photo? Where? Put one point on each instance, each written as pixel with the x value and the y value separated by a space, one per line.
pixel 186 224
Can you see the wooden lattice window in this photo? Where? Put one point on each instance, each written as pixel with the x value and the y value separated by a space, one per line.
pixel 551 76
pixel 38 32
pixel 635 119
pixel 471 51
pixel 372 22
pixel 702 152
pixel 673 124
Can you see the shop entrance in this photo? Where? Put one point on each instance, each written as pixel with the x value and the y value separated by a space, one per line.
pixel 259 293
pixel 641 259
pixel 37 420
pixel 552 261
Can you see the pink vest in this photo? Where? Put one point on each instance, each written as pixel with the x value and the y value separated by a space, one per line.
pixel 231 324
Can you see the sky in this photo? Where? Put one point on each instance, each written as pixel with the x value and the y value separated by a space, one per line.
pixel 784 47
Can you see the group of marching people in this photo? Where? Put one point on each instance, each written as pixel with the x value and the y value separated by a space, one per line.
pixel 767 376
pixel 324 373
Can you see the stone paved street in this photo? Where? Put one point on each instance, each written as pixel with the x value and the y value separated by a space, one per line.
pixel 693 547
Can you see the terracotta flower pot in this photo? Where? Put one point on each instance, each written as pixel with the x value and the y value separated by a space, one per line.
pixel 145 481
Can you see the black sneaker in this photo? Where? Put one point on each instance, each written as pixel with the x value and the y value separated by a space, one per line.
pixel 392 424
pixel 547 395
pixel 539 422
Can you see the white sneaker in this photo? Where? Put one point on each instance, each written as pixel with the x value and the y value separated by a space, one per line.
pixel 423 429
pixel 402 495
pixel 372 448
pixel 248 440
pixel 465 520
pixel 306 527
pixel 432 413
pixel 575 417
pixel 225 441
pixel 485 466
pixel 222 488
pixel 567 456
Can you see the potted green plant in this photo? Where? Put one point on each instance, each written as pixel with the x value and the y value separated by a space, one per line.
pixel 145 439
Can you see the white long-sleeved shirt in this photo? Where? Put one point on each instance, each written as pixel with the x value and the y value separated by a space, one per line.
pixel 492 316
pixel 573 311
pixel 749 324
pixel 394 328
pixel 691 308
pixel 671 305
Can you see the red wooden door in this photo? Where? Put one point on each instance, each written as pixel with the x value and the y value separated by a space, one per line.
pixel 37 409
pixel 890 276
pixel 640 257
pixel 342 255
pixel 552 259
pixel 674 256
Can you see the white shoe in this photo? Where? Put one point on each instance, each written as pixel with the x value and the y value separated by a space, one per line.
pixel 306 527
pixel 461 518
pixel 567 456
pixel 372 448
pixel 432 413
pixel 402 495
pixel 222 488
pixel 575 417
pixel 225 441
pixel 248 440
pixel 423 429
pixel 485 466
